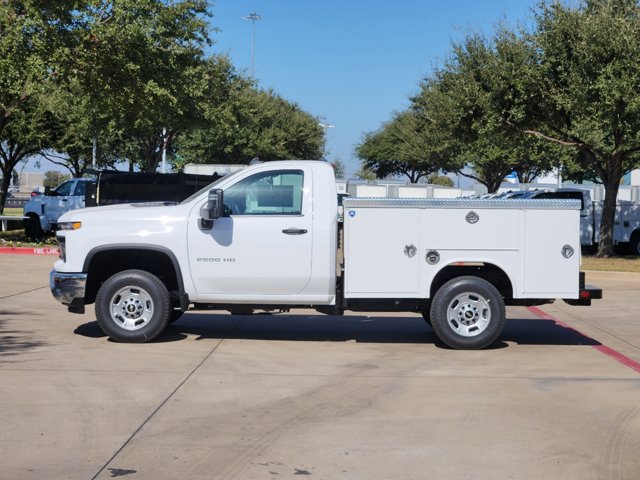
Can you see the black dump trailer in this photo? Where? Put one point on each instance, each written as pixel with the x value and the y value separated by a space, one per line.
pixel 136 187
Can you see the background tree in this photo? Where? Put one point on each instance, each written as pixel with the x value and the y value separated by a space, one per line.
pixel 365 174
pixel 437 179
pixel 30 34
pixel 75 127
pixel 138 65
pixel 242 122
pixel 53 178
pixel 403 146
pixel 461 101
pixel 339 169
pixel 585 92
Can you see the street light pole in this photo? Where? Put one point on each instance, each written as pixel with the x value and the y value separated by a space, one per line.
pixel 253 18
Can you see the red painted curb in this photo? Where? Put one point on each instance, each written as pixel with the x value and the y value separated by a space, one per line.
pixel 29 251
pixel 609 352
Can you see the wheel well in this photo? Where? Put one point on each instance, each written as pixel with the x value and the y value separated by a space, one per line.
pixel 487 271
pixel 104 264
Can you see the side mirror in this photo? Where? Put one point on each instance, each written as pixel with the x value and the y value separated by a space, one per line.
pixel 47 190
pixel 212 210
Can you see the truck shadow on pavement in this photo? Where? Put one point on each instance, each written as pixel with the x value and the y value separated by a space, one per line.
pixel 14 342
pixel 364 329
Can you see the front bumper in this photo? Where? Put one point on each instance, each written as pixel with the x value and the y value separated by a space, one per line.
pixel 68 289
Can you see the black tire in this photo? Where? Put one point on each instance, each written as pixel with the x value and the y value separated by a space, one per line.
pixel 468 313
pixel 133 306
pixel 32 228
pixel 634 245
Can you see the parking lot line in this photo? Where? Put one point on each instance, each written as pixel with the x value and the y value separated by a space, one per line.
pixel 608 351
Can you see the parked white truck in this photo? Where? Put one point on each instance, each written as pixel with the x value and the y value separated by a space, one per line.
pixel 267 238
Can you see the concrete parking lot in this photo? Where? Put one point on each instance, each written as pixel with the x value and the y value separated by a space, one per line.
pixel 302 395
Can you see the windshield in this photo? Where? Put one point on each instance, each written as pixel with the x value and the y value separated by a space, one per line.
pixel 209 187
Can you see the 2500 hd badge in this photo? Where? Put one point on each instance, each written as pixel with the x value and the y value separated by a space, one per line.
pixel 215 260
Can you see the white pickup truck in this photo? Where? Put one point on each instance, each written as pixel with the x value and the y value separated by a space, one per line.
pixel 267 238
pixel 42 211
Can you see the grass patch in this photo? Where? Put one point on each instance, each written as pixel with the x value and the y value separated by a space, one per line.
pixel 14 211
pixel 616 264
pixel 17 238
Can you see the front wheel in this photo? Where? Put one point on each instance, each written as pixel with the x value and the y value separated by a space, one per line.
pixel 468 313
pixel 133 306
pixel 32 228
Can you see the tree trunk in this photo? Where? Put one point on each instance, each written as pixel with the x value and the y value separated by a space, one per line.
pixel 6 181
pixel 493 184
pixel 605 245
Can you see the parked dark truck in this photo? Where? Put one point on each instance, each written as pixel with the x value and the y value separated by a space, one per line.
pixel 108 188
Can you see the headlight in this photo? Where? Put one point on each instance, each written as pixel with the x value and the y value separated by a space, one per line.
pixel 69 225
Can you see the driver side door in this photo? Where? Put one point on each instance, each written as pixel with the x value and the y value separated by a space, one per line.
pixel 262 245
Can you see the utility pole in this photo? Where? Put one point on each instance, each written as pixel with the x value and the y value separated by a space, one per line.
pixel 94 152
pixel 164 150
pixel 253 18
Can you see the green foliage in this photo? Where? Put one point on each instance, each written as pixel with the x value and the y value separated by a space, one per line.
pixel 588 91
pixel 565 95
pixel 465 101
pixel 247 123
pixel 29 36
pixel 133 75
pixel 436 179
pixel 366 174
pixel 134 68
pixel 53 178
pixel 403 146
pixel 339 169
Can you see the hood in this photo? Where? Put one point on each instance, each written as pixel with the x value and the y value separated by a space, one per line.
pixel 127 212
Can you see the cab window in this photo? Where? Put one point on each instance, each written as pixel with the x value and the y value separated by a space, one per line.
pixel 81 188
pixel 563 195
pixel 64 189
pixel 269 193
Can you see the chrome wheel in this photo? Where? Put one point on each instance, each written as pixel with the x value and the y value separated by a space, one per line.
pixel 469 314
pixel 131 308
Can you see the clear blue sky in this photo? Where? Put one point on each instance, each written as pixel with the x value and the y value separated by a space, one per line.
pixel 351 62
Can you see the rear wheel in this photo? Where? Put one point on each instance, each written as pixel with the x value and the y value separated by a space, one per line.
pixel 133 306
pixel 468 313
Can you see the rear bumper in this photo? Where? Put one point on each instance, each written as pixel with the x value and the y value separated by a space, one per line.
pixel 585 294
pixel 68 289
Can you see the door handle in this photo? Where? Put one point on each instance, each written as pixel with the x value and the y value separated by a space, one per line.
pixel 294 231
